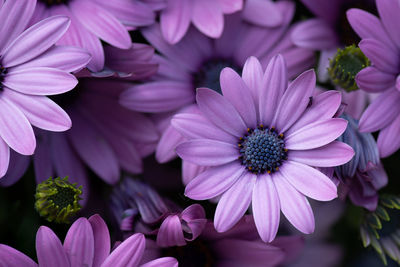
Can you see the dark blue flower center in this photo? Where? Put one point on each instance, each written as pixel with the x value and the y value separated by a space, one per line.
pixel 262 150
pixel 208 74
pixel 54 2
pixel 3 73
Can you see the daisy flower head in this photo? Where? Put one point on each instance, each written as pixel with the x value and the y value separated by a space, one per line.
pixel 263 139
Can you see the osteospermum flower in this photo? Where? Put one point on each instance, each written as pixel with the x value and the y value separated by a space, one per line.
pixel 87 243
pixel 381 44
pixel 263 141
pixel 32 67
pixel 96 20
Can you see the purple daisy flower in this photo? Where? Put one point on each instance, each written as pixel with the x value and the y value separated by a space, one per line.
pixel 196 61
pixel 381 44
pixel 261 144
pixel 207 16
pixel 31 68
pixel 87 243
pixel 92 20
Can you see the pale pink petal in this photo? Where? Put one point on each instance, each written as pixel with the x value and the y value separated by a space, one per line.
pixel 175 20
pixel 207 16
pixel 101 241
pixel 49 250
pixel 170 232
pixel 234 203
pixel 128 253
pixel 214 181
pixel 266 208
pixel 294 205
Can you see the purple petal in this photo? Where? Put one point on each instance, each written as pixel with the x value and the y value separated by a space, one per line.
pixel 171 232
pixel 15 128
pixel 388 139
pixel 214 181
pixel 66 58
pixel 314 34
pixel 379 54
pixel 294 205
pixel 236 91
pixel 274 84
pixel 373 80
pixel 330 155
pixel 40 81
pixel 388 11
pixel 162 262
pixel 252 75
pixel 381 111
pixel 294 101
pixel 158 96
pixel 230 6
pixel 11 23
pixel 42 157
pixel 13 258
pixel 40 111
pixel 175 20
pixel 328 10
pixel 262 13
pixel 324 106
pixel 190 171
pixel 165 150
pixel 220 111
pixel 49 250
pixel 35 40
pixel 309 181
pixel 208 18
pixel 266 208
pixel 195 217
pixel 316 134
pixel 4 157
pixel 234 203
pixel 101 23
pixel 206 152
pixel 17 167
pixel 101 240
pixel 79 243
pixel 128 253
pixel 367 25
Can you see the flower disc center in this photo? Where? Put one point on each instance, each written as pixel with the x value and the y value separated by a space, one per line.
pixel 262 150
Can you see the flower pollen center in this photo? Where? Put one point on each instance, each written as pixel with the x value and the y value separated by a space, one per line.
pixel 262 150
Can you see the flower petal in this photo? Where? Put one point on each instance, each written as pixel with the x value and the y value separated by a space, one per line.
pixel 15 128
pixel 266 208
pixel 170 139
pixel 231 6
pixel 330 155
pixel 4 157
pixel 373 80
pixel 102 241
pixel 40 81
pixel 49 250
pixel 220 111
pixel 214 181
pixel 381 57
pixel 13 258
pixel 388 139
pixel 262 13
pixel 128 253
pixel 388 11
pixel 316 134
pixel 79 243
pixel 35 40
pixel 170 233
pixel 162 262
pixel 234 203
pixel 195 218
pixel 175 20
pixel 208 18
pixel 294 205
pixel 314 34
pixel 252 75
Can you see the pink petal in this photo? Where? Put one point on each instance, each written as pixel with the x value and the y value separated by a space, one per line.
pixel 195 218
pixel 309 181
pixel 388 139
pixel 170 139
pixel 49 250
pixel 388 11
pixel 220 111
pixel 208 18
pixel 35 40
pixel 294 205
pixel 373 80
pixel 175 20
pixel 101 240
pixel 262 13
pixel 380 55
pixel 170 232
pixel 381 112
pixel 294 101
pixel 128 253
pixel 162 262
pixel 40 111
pixel 330 155
pixel 214 181
pixel 314 34
pixel 4 157
pixel 316 134
pixel 266 208
pixel 206 152
pixel 230 6
pixel 40 81
pixel 274 84
pixel 11 23
pixel 13 258
pixel 15 128
pixel 79 243
pixel 234 203
pixel 236 91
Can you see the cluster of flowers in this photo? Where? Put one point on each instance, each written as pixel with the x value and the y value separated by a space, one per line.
pixel 265 104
